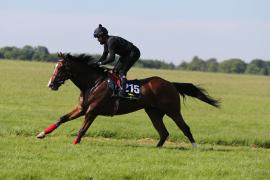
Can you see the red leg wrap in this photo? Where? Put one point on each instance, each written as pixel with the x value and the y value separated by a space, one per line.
pixel 51 128
pixel 77 140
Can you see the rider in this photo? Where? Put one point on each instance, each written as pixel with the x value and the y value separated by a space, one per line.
pixel 113 45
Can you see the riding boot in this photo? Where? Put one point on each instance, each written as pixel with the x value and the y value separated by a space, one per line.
pixel 122 92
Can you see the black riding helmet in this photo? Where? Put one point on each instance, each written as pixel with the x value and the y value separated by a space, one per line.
pixel 100 31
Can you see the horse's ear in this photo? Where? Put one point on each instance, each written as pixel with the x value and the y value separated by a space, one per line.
pixel 60 55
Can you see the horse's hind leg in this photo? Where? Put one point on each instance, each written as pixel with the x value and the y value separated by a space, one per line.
pixel 178 119
pixel 156 117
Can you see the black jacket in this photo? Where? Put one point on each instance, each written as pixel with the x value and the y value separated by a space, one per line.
pixel 115 45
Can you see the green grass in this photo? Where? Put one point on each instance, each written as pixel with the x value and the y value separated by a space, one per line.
pixel 56 158
pixel 234 141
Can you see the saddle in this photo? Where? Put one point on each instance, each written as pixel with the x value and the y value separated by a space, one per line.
pixel 132 89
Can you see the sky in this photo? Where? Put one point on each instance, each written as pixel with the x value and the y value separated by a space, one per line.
pixel 171 30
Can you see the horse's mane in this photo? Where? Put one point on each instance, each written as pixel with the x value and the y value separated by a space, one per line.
pixel 85 59
pixel 81 58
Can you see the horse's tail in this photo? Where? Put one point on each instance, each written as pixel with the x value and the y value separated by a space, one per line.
pixel 197 92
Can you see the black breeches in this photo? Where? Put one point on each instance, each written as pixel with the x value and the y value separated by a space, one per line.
pixel 126 62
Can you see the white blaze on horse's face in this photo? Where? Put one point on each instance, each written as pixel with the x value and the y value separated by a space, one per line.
pixel 54 73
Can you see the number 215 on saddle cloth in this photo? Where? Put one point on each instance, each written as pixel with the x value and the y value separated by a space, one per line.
pixel 132 88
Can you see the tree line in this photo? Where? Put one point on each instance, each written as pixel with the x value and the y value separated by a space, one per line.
pixel 41 53
pixel 234 65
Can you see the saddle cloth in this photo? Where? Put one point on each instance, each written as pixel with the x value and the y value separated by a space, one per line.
pixel 132 88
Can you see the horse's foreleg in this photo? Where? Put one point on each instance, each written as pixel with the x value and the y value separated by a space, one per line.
pixel 86 124
pixel 97 99
pixel 90 116
pixel 77 112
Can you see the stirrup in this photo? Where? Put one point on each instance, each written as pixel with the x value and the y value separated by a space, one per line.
pixel 121 93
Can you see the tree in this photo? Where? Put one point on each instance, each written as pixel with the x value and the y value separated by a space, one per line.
pixel 257 66
pixel 41 53
pixel 212 65
pixel 183 66
pixel 268 66
pixel 10 52
pixel 197 64
pixel 233 66
pixel 156 64
pixel 52 57
pixel 1 54
pixel 27 53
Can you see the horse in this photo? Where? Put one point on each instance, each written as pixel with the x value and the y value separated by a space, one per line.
pixel 159 97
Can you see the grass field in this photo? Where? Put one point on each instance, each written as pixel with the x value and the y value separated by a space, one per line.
pixel 234 141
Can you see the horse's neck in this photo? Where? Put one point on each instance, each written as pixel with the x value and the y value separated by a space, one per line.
pixel 85 81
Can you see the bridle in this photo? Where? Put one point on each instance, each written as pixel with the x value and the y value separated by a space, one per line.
pixel 60 75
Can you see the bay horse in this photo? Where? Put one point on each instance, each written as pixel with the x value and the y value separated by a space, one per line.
pixel 159 97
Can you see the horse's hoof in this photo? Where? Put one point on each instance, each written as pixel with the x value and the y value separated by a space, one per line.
pixel 76 141
pixel 41 135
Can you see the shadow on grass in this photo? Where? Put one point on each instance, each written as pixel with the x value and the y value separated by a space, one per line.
pixel 149 142
pixel 178 147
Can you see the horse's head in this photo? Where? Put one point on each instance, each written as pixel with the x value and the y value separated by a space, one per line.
pixel 81 68
pixel 61 72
